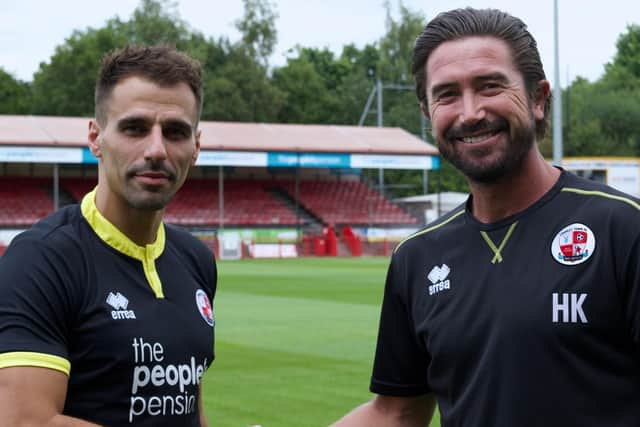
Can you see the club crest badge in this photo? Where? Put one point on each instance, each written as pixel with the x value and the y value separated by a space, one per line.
pixel 204 307
pixel 573 245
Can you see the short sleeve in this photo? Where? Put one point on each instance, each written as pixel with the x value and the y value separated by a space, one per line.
pixel 631 291
pixel 400 364
pixel 209 266
pixel 211 274
pixel 35 304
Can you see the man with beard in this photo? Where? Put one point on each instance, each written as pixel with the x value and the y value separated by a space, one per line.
pixel 520 307
pixel 105 311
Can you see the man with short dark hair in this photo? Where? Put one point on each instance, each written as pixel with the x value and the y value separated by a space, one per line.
pixel 520 307
pixel 105 311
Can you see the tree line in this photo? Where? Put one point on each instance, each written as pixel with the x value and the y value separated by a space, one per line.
pixel 316 85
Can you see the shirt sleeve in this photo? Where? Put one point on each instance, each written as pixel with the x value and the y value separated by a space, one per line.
pixel 630 291
pixel 400 364
pixel 35 304
pixel 212 282
pixel 207 268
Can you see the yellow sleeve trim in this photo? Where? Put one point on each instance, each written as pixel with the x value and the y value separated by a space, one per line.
pixel 626 200
pixel 39 360
pixel 435 227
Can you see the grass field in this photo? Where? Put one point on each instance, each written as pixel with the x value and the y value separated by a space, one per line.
pixel 294 340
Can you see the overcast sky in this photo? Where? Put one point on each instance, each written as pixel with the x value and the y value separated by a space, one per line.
pixel 31 29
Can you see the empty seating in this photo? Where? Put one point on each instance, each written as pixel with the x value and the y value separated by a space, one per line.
pixel 24 201
pixel 197 203
pixel 246 202
pixel 348 202
pixel 78 187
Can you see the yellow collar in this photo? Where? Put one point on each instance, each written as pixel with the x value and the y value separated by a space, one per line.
pixel 114 237
pixel 117 240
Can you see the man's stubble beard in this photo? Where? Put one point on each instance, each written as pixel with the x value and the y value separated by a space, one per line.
pixel 512 156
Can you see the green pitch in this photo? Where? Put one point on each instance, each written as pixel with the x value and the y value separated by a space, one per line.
pixel 294 340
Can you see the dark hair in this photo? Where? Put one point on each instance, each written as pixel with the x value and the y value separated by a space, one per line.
pixel 459 23
pixel 163 65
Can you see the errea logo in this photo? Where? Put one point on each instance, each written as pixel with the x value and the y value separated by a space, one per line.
pixel 120 303
pixel 438 277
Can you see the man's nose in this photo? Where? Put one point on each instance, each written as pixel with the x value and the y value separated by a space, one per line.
pixel 155 149
pixel 472 109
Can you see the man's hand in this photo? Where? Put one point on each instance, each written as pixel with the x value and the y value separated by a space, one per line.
pixel 391 411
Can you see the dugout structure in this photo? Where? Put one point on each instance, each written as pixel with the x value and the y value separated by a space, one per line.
pixel 621 173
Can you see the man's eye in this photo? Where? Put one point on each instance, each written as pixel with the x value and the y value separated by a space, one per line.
pixel 490 86
pixel 446 96
pixel 176 133
pixel 134 130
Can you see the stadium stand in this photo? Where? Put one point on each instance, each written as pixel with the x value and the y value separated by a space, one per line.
pixel 78 187
pixel 252 202
pixel 246 202
pixel 348 203
pixel 24 201
pixel 196 204
pixel 44 160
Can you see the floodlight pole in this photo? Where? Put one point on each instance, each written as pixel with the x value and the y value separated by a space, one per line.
pixel 367 106
pixel 423 133
pixel 297 194
pixel 557 94
pixel 220 198
pixel 380 171
pixel 377 92
pixel 56 187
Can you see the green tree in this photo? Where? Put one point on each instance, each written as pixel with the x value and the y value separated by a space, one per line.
pixel 355 85
pixel 400 106
pixel 14 95
pixel 238 89
pixel 307 99
pixel 448 178
pixel 64 86
pixel 604 117
pixel 321 87
pixel 156 22
pixel 236 83
pixel 628 52
pixel 605 123
pixel 396 46
pixel 258 28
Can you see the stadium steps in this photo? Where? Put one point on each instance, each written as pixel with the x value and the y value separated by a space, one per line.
pixel 310 221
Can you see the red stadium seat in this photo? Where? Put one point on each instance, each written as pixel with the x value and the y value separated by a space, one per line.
pixel 24 201
pixel 348 203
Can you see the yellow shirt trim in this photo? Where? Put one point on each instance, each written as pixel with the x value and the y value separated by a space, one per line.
pixel 434 227
pixel 602 194
pixel 40 360
pixel 117 240
pixel 497 250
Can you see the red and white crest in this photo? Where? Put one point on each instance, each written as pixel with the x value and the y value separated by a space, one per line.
pixel 574 244
pixel 204 306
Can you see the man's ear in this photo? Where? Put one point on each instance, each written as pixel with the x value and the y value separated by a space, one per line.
pixel 425 109
pixel 197 148
pixel 540 99
pixel 95 138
